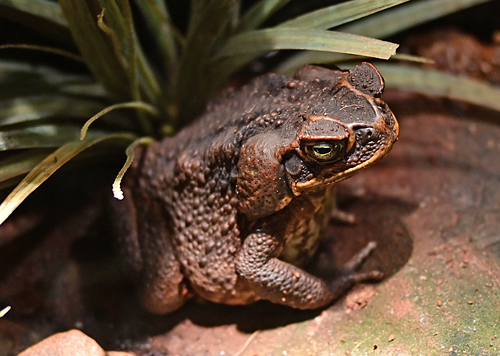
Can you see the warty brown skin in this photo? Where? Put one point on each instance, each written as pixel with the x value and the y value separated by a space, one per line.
pixel 234 204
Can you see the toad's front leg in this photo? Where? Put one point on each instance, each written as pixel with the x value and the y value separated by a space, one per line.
pixel 283 283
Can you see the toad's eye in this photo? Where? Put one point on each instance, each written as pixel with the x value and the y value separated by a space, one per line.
pixel 325 151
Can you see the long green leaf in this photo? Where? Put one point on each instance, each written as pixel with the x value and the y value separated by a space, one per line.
pixel 43 16
pixel 31 108
pixel 162 31
pixel 208 23
pixel 293 38
pixel 340 14
pixel 48 10
pixel 52 50
pixel 259 13
pixel 432 82
pixel 11 182
pixel 321 19
pixel 38 136
pixel 382 25
pixel 45 80
pixel 96 47
pixel 121 33
pixel 48 167
pixel 21 163
pixel 119 26
pixel 401 18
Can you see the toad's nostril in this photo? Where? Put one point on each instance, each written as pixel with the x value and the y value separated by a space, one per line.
pixel 365 134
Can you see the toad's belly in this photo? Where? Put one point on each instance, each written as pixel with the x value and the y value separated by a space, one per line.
pixel 308 219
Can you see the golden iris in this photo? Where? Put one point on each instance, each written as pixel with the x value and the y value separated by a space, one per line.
pixel 324 151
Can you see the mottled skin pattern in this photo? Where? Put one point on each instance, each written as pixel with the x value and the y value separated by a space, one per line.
pixel 234 203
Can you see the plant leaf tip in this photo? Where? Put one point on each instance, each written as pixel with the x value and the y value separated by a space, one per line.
pixel 4 311
pixel 117 191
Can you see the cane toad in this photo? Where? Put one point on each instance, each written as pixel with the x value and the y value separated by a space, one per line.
pixel 234 204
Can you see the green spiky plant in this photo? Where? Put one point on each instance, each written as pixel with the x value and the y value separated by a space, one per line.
pixel 142 96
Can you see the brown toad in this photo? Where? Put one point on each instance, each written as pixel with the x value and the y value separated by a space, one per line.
pixel 235 202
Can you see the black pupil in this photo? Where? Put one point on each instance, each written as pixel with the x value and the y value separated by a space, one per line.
pixel 323 150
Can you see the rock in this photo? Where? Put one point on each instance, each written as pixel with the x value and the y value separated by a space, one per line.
pixel 70 343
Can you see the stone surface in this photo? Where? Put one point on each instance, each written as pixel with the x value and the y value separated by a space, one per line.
pixel 69 343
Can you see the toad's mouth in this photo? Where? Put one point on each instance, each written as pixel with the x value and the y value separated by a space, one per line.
pixel 372 143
